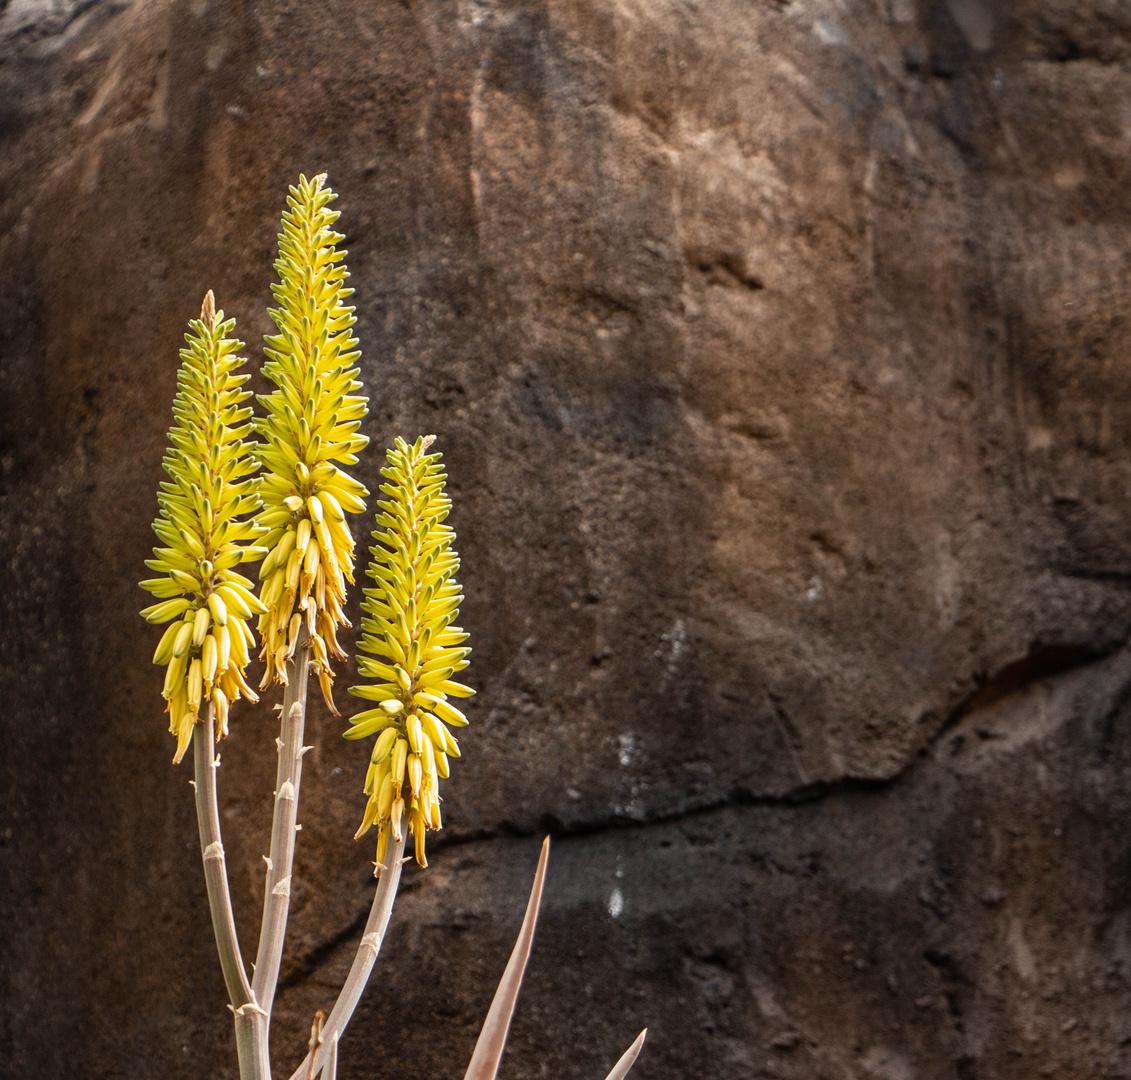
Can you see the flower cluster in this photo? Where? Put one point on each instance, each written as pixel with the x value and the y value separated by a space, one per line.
pixel 310 428
pixel 414 650
pixel 206 649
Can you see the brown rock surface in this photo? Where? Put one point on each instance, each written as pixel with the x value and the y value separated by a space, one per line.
pixel 779 354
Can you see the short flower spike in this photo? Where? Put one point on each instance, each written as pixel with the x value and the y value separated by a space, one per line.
pixel 206 648
pixel 312 422
pixel 410 634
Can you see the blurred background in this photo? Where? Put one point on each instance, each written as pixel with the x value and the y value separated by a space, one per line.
pixel 778 351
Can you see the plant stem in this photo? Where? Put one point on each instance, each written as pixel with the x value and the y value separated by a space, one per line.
pixel 251 1043
pixel 249 1016
pixel 215 867
pixel 277 893
pixel 363 962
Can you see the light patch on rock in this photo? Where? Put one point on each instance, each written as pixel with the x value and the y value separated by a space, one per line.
pixel 616 904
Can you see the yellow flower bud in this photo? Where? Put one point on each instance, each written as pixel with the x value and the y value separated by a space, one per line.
pixel 415 773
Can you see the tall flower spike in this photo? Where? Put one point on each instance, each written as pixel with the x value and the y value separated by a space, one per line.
pixel 312 422
pixel 410 634
pixel 206 647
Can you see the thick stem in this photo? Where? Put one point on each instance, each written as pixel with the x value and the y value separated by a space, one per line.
pixel 251 1043
pixel 249 1016
pixel 362 963
pixel 215 867
pixel 277 895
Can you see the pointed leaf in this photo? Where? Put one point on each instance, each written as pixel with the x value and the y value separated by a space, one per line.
pixel 489 1049
pixel 620 1069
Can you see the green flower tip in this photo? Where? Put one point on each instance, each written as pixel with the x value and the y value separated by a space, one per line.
pixel 311 428
pixel 206 648
pixel 414 650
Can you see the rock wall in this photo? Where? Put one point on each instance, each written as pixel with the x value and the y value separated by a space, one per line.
pixel 779 355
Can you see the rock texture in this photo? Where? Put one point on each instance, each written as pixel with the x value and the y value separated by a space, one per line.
pixel 779 353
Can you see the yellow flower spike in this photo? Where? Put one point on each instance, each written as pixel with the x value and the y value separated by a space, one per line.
pixel 312 421
pixel 205 532
pixel 413 646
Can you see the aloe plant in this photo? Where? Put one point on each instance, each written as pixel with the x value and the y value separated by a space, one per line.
pixel 283 500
